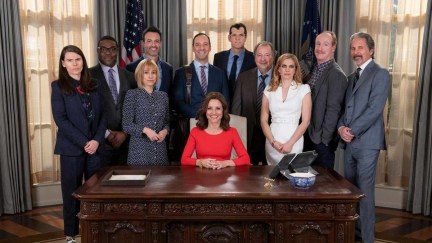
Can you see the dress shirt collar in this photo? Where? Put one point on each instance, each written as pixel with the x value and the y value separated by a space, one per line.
pixel 240 55
pixel 324 65
pixel 364 65
pixel 105 68
pixel 269 75
pixel 198 65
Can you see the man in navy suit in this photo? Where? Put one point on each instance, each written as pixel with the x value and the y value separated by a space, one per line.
pixel 151 44
pixel 205 78
pixel 116 144
pixel 328 85
pixel 237 59
pixel 361 127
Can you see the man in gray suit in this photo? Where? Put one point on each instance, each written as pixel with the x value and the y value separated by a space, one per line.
pixel 248 96
pixel 328 85
pixel 361 127
pixel 113 82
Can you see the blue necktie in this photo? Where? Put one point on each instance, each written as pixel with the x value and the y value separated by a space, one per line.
pixel 233 73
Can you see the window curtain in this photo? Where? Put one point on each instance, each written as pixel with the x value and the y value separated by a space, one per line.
pixel 397 28
pixel 215 17
pixel 48 26
pixel 283 25
pixel 15 190
pixel 420 183
pixel 109 19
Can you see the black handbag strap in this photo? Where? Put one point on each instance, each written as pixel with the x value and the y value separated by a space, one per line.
pixel 188 71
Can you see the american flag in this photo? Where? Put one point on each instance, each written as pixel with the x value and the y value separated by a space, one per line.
pixel 134 27
pixel 311 28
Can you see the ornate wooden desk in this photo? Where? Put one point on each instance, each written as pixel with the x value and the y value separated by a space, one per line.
pixel 189 204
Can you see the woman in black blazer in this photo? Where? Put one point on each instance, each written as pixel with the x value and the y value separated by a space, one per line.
pixel 77 112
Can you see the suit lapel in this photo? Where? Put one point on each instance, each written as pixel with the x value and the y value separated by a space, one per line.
pixel 123 79
pixel 225 60
pixel 365 76
pixel 246 61
pixel 253 85
pixel 319 82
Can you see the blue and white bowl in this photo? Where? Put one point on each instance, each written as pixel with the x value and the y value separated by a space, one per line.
pixel 302 180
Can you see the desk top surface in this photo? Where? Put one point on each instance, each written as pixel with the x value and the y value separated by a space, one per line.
pixel 243 182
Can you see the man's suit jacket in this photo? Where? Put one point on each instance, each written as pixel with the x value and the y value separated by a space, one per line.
pixel 167 73
pixel 217 82
pixel 220 60
pixel 245 100
pixel 73 127
pixel 112 110
pixel 328 99
pixel 364 107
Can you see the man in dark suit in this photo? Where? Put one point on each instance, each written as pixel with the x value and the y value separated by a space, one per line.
pixel 113 82
pixel 328 85
pixel 205 78
pixel 151 43
pixel 237 59
pixel 361 127
pixel 247 99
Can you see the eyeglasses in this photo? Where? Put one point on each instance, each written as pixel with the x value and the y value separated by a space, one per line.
pixel 107 50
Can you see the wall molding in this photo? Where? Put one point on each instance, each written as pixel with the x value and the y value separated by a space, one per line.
pixel 390 197
pixel 46 194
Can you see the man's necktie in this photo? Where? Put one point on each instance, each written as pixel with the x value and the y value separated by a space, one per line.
pixel 204 83
pixel 357 76
pixel 112 85
pixel 260 93
pixel 233 73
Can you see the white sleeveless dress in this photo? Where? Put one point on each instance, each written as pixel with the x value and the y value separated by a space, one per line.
pixel 285 118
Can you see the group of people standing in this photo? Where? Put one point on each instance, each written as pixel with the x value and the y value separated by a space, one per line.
pixel 107 115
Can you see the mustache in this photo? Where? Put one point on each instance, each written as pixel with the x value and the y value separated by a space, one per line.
pixel 357 56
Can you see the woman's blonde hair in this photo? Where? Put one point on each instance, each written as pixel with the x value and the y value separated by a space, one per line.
pixel 139 71
pixel 276 78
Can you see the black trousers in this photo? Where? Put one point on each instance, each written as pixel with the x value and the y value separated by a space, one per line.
pixel 73 169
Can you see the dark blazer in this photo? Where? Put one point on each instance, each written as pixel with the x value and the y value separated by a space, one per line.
pixel 113 111
pixel 364 107
pixel 327 104
pixel 167 73
pixel 244 100
pixel 73 128
pixel 220 60
pixel 217 82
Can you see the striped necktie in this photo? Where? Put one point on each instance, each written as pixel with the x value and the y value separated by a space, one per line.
pixel 112 85
pixel 204 83
pixel 260 93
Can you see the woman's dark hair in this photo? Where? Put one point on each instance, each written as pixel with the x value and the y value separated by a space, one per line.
pixel 66 82
pixel 202 117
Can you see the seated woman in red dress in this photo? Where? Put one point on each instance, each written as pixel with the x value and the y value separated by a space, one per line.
pixel 213 138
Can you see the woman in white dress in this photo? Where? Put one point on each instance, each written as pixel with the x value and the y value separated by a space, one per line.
pixel 286 100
